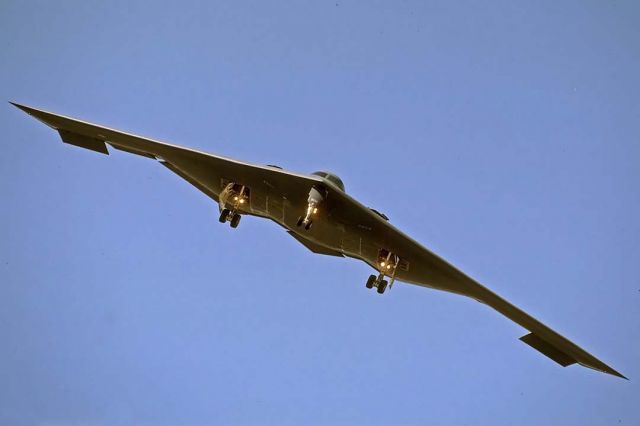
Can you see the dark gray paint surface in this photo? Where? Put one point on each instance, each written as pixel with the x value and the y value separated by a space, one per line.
pixel 344 226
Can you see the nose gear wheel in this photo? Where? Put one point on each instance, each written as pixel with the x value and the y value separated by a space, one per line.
pixel 316 197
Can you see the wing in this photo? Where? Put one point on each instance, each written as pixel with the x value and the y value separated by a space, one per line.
pixel 274 191
pixel 426 269
pixel 281 195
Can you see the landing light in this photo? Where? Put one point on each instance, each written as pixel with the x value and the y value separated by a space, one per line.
pixel 235 198
pixel 382 264
pixel 315 211
pixel 242 201
pixel 388 266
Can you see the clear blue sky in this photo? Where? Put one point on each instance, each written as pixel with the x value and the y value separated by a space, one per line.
pixel 502 135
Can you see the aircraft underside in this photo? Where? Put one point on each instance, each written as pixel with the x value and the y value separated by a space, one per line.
pixel 236 199
pixel 316 210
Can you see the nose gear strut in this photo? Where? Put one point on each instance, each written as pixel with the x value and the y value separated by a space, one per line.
pixel 316 196
pixel 232 197
pixel 386 265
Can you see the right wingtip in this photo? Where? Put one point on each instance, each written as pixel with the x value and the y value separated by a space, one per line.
pixel 615 373
pixel 565 359
pixel 605 369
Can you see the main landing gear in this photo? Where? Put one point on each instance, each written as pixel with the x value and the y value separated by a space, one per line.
pixel 386 265
pixel 225 214
pixel 231 199
pixel 316 196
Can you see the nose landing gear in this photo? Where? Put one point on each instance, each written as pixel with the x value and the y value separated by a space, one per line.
pixel 386 265
pixel 231 199
pixel 316 196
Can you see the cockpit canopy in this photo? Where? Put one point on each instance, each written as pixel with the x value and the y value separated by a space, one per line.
pixel 331 178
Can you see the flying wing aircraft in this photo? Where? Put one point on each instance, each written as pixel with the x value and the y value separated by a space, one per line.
pixel 316 210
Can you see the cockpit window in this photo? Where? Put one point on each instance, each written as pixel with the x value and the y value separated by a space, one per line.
pixel 336 180
pixel 331 178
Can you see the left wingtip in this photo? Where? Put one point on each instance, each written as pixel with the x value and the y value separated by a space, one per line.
pixel 45 117
pixel 20 106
